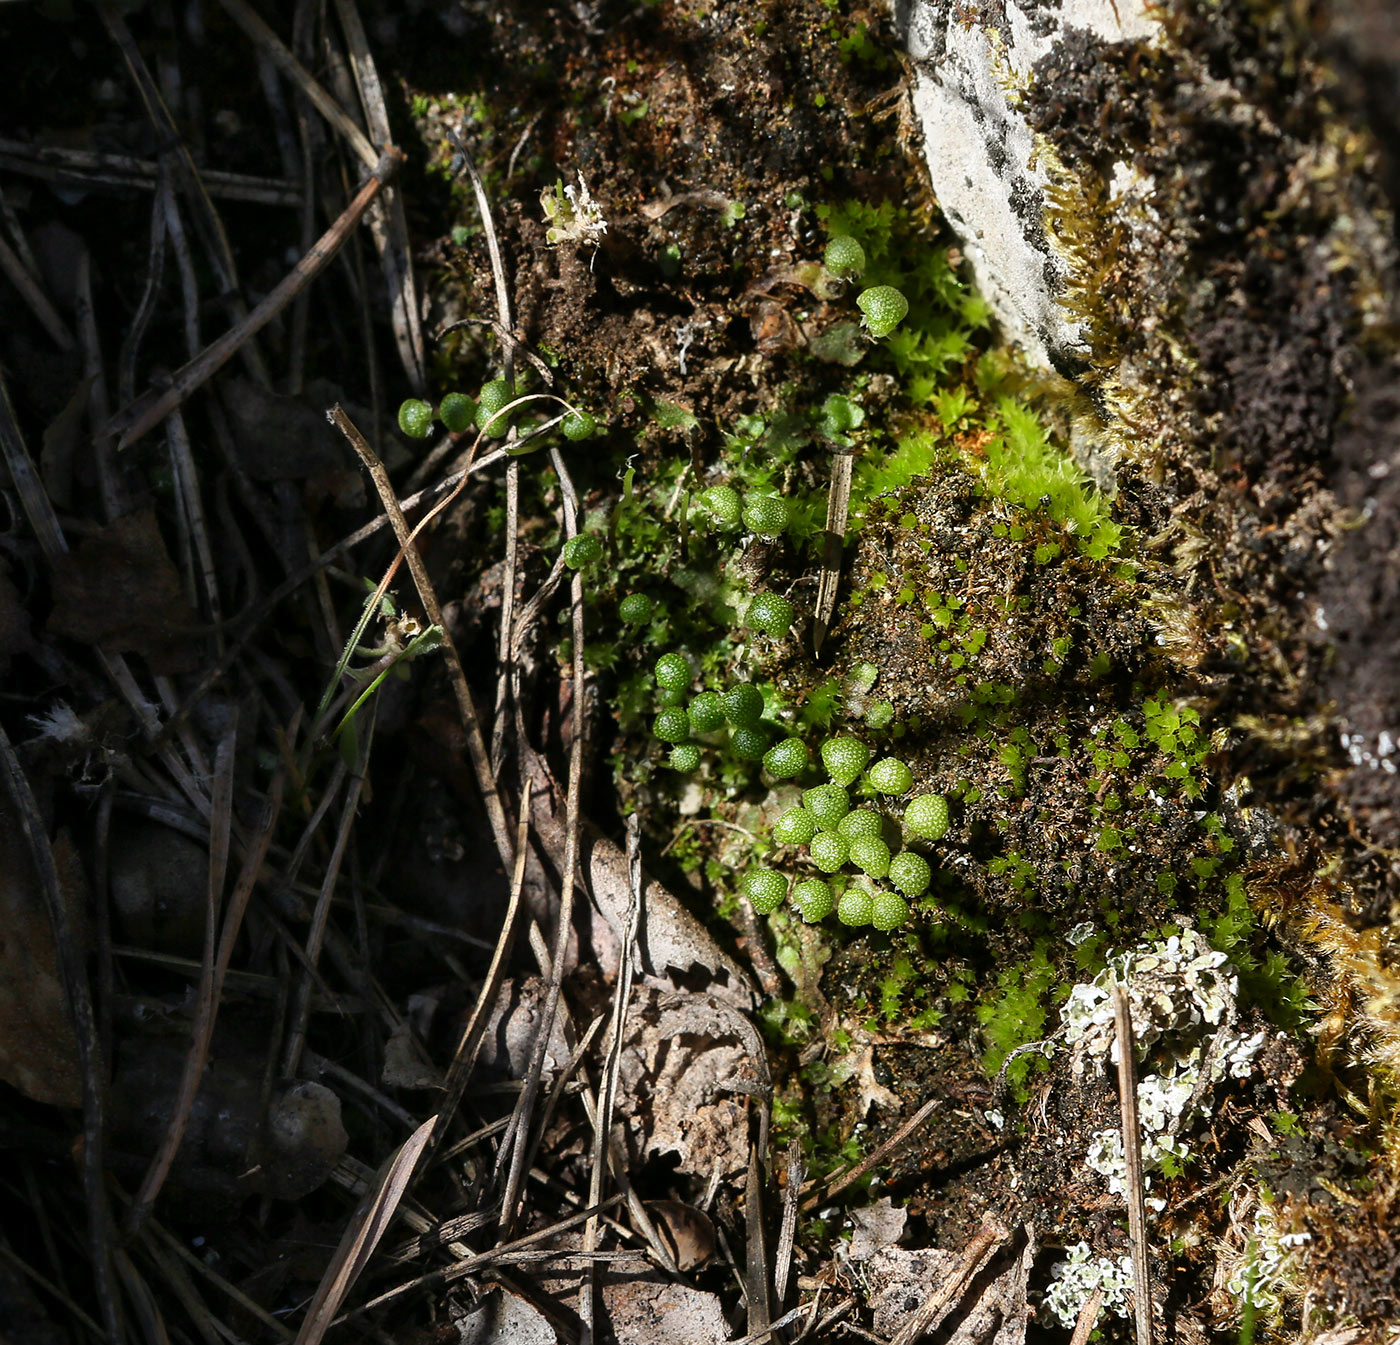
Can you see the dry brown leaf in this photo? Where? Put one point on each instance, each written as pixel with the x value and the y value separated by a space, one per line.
pixel 688 1232
pixel 120 591
pixel 877 1226
pixel 899 1280
pixel 680 1065
pixel 511 1029
pixel 648 1310
pixel 38 1051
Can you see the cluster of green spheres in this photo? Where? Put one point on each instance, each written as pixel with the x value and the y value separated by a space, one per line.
pixel 768 516
pixel 739 708
pixel 837 835
pixel 459 414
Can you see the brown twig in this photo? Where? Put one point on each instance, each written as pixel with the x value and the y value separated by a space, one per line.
pixel 838 504
pixel 1132 1153
pixel 879 1155
pixel 983 1244
pixel 1088 1315
pixel 154 405
pixel 206 1013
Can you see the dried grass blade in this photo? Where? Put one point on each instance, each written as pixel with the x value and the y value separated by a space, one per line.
pixel 983 1244
pixel 838 504
pixel 1132 1153
pixel 154 405
pixel 389 229
pixel 269 43
pixel 362 1236
pixel 787 1229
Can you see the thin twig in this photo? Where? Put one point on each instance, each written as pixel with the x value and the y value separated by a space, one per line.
pixel 1088 1315
pixel 35 297
pixel 268 42
pixel 877 1156
pixel 607 1089
pixel 1132 1153
pixel 154 405
pixel 984 1243
pixel 466 705
pixel 208 1007
pixel 833 540
pixel 787 1229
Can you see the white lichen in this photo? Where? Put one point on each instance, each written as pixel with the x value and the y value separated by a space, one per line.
pixel 1074 1281
pixel 1269 1266
pixel 572 214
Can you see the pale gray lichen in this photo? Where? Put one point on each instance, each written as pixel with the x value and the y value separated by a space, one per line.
pixel 1268 1268
pixel 1074 1281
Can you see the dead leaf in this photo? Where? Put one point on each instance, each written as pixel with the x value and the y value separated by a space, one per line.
pixel 877 1226
pixel 120 591
pixel 688 1232
pixel 679 1066
pixel 38 1050
pixel 651 1311
pixel 669 937
pixel 510 1031
pixel 899 1280
pixel 405 1065
pixel 502 1318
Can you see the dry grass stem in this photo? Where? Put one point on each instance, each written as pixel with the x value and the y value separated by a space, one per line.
pixel 153 406
pixel 1132 1152
pixel 881 1154
pixel 838 504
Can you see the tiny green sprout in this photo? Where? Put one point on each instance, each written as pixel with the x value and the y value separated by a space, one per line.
pixel 457 411
pixel 871 855
pixel 855 907
pixel 786 759
pixel 884 308
pixel 910 873
pixel 743 705
pixel 770 614
pixel 671 725
pixel 861 823
pixel 888 911
pixel 583 551
pixel 828 804
pixel 636 609
pixel 670 696
pixel 844 256
pixel 579 425
pixel 795 827
pixel 495 395
pixel 723 504
pixel 844 759
pixel 927 816
pixel 813 899
pixel 673 671
pixel 765 890
pixel 889 775
pixel 706 712
pixel 685 758
pixel 415 418
pixel 748 743
pixel 767 515
pixel 829 850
